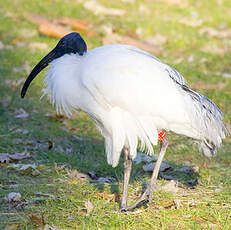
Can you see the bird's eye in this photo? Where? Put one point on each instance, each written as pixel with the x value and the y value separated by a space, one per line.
pixel 62 43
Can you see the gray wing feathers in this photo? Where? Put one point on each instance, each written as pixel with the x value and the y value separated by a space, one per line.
pixel 201 99
pixel 206 116
pixel 175 75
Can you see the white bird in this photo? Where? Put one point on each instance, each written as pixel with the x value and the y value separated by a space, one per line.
pixel 131 96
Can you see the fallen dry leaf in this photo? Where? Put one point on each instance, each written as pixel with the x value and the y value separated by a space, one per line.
pixel 179 3
pixel 157 40
pixel 25 68
pixel 209 31
pixel 225 75
pixel 53 30
pixel 13 84
pixel 191 203
pixel 212 32
pixel 9 186
pixel 19 42
pixel 105 196
pixel 39 221
pixel 74 182
pixel 98 9
pixel 143 10
pixel 76 24
pixel 171 187
pixel 27 33
pixel 140 31
pixel 60 167
pixel 41 167
pixel 13 226
pixel 178 60
pixel 7 158
pixel 77 138
pixel 36 18
pixel 4 158
pixel 76 175
pixel 89 206
pixel 14 197
pixel 38 46
pixel 191 58
pixel 38 200
pixel 107 28
pixel 6 101
pixel 25 169
pixel 131 33
pixel 1 45
pixel 115 38
pixel 220 2
pixel 61 26
pixel 15 201
pixel 173 204
pixel 22 131
pixel 128 1
pixel 19 156
pixel 214 49
pixel 193 22
pixel 169 204
pixel 49 227
pixel 33 144
pixel 178 203
pixel 41 194
pixel 21 113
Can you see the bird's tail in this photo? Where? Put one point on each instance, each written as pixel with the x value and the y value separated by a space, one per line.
pixel 207 118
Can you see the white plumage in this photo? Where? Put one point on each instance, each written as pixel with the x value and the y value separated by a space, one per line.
pixel 131 95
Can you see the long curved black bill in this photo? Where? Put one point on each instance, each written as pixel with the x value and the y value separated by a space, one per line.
pixel 37 69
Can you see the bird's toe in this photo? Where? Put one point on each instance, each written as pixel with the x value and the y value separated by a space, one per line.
pixel 124 209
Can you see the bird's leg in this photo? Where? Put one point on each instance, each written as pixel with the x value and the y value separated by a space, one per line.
pixel 163 148
pixel 149 190
pixel 127 173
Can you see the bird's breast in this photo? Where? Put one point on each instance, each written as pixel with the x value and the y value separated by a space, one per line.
pixel 63 82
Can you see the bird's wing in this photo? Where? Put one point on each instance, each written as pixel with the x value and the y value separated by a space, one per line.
pixel 208 111
pixel 210 115
pixel 179 80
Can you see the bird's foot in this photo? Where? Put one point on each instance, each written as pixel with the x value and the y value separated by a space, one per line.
pixel 147 195
pixel 134 205
pixel 124 209
pixel 150 188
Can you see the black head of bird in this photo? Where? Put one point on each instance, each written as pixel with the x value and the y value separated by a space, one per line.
pixel 71 43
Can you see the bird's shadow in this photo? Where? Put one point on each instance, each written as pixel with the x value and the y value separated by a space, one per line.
pixel 183 175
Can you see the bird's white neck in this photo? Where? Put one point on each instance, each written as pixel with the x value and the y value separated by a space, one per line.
pixel 61 82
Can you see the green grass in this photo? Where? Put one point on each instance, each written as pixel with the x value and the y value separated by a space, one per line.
pixel 204 207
